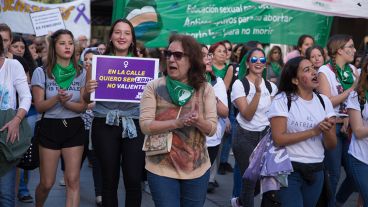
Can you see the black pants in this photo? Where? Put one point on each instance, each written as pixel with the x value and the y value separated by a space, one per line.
pixel 112 152
pixel 212 152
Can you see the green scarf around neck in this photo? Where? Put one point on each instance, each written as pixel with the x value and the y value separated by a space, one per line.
pixel 220 72
pixel 180 93
pixel 64 76
pixel 345 75
pixel 276 68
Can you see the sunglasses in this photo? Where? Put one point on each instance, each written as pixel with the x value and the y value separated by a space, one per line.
pixel 177 55
pixel 255 59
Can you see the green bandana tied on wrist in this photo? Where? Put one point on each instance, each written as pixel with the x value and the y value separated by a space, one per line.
pixel 345 76
pixel 64 76
pixel 276 68
pixel 180 93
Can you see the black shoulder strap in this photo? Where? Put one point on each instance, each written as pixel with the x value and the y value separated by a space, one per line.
pixel 268 85
pixel 318 95
pixel 288 102
pixel 246 85
pixel 321 100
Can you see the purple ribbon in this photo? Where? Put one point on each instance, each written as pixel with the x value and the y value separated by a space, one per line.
pixel 81 8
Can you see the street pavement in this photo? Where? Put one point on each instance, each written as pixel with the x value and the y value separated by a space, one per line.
pixel 219 198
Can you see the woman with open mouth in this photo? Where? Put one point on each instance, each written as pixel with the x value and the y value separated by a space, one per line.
pixel 304 122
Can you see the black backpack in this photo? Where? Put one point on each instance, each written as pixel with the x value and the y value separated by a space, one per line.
pixel 246 85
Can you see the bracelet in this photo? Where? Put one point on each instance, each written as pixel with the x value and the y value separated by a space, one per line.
pixel 20 118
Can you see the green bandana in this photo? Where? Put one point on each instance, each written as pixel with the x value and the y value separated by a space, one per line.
pixel 180 93
pixel 64 76
pixel 219 72
pixel 345 76
pixel 276 68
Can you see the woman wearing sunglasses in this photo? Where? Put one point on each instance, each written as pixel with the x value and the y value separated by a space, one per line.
pixel 181 102
pixel 113 148
pixel 252 122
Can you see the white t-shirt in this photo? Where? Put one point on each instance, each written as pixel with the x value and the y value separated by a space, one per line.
pixel 336 87
pixel 220 93
pixel 358 147
pixel 259 121
pixel 13 79
pixel 303 115
pixel 58 111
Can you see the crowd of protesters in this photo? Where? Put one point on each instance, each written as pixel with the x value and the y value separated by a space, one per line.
pixel 312 101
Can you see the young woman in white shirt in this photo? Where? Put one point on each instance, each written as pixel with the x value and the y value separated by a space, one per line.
pixel 303 122
pixel 358 150
pixel 252 122
pixel 336 81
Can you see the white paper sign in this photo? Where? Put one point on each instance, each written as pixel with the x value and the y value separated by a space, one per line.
pixel 76 15
pixel 47 21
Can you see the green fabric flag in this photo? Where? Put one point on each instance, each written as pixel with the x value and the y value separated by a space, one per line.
pixel 276 68
pixel 64 76
pixel 220 72
pixel 180 93
pixel 345 75
pixel 212 21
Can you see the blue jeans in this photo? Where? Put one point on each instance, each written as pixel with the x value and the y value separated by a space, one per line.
pixel 170 192
pixel 359 173
pixel 226 144
pixel 7 189
pixel 237 176
pixel 334 158
pixel 299 193
pixel 24 177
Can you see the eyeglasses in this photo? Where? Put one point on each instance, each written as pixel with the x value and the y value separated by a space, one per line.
pixel 255 59
pixel 177 55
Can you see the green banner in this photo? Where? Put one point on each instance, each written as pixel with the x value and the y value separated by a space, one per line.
pixel 211 21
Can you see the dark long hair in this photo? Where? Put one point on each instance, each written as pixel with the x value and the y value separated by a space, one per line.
pixel 362 86
pixel 309 51
pixel 1 46
pixel 302 39
pixel 269 55
pixel 249 55
pixel 110 49
pixel 289 72
pixel 193 50
pixel 51 55
pixel 27 54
